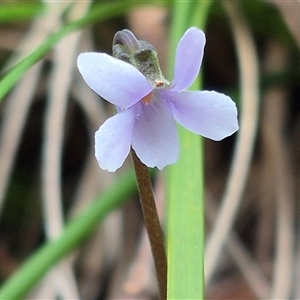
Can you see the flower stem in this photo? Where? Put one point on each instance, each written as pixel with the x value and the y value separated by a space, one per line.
pixel 153 227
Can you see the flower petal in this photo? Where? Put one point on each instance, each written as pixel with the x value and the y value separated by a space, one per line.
pixel 208 113
pixel 188 58
pixel 116 81
pixel 113 140
pixel 155 139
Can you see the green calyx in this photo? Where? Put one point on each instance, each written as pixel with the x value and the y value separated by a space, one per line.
pixel 141 55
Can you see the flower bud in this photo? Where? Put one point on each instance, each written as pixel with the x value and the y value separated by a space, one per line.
pixel 141 55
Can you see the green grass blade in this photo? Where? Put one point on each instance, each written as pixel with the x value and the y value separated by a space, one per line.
pixel 19 12
pixel 78 230
pixel 98 13
pixel 185 223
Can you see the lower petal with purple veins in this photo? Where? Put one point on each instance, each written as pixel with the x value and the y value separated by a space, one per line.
pixel 155 139
pixel 211 114
pixel 113 140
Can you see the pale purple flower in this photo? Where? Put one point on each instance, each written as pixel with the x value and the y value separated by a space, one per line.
pixel 146 115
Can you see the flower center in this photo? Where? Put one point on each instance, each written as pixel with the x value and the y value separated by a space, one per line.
pixel 148 98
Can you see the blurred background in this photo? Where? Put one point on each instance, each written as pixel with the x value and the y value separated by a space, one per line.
pixel 48 173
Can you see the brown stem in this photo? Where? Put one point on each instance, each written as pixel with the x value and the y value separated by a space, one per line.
pixel 153 227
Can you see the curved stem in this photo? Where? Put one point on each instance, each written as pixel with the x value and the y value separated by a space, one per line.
pixel 153 227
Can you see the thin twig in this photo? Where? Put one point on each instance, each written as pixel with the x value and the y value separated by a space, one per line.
pixel 241 256
pixel 245 144
pixel 65 53
pixel 153 227
pixel 19 101
pixel 277 150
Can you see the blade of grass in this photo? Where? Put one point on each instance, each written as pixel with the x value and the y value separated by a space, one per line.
pixel 79 229
pixel 19 12
pixel 99 13
pixel 20 99
pixel 64 56
pixel 186 187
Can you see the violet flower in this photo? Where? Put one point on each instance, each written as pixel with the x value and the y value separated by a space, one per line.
pixel 148 105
